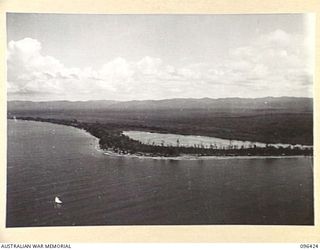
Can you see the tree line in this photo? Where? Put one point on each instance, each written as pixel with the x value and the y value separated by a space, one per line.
pixel 112 139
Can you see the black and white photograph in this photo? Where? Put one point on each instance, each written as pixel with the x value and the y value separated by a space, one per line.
pixel 159 119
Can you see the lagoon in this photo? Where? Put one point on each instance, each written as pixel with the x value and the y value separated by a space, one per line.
pixel 160 139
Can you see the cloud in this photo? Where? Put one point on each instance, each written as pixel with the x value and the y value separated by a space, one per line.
pixel 277 63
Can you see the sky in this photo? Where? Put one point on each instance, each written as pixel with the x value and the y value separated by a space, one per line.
pixel 80 57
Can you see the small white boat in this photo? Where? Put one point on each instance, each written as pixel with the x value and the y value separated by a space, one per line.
pixel 57 200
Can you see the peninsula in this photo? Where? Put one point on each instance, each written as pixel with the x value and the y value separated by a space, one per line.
pixel 111 138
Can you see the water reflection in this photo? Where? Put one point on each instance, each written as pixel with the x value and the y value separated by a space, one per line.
pixel 104 190
pixel 177 140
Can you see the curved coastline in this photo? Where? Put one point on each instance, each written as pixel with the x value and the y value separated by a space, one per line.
pixel 201 157
pixel 72 127
pixel 143 155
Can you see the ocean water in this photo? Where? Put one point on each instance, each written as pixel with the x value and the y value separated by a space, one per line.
pixel 48 160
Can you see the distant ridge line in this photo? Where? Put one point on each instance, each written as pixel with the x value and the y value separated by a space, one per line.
pixel 167 99
pixel 301 104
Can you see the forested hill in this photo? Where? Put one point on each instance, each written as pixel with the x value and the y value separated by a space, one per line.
pixel 290 104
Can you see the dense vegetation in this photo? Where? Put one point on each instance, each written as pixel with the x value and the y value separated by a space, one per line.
pixel 286 120
pixel 111 138
pixel 253 125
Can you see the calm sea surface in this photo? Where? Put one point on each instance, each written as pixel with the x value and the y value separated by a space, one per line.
pixel 47 160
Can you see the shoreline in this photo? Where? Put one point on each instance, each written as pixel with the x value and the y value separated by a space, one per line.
pixel 203 157
pixel 145 155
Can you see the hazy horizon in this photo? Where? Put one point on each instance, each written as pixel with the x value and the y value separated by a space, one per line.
pixel 83 57
pixel 219 98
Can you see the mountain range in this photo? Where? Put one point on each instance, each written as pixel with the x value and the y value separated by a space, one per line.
pixel 300 104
